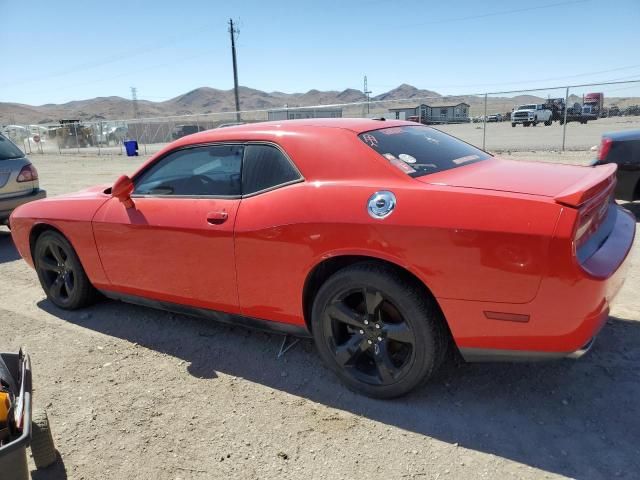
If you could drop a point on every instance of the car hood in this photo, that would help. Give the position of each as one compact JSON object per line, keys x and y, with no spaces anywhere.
{"x":533,"y":178}
{"x":90,"y":192}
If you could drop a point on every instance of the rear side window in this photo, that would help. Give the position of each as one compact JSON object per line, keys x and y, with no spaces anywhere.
{"x":265,"y":167}
{"x":418,"y":150}
{"x":8,"y":150}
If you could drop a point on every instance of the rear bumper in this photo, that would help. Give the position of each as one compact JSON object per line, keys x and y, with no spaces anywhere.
{"x":492,"y":355}
{"x":8,"y":205}
{"x":569,"y":311}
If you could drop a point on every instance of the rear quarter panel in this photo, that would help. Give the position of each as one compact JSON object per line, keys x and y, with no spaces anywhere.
{"x":9,"y":171}
{"x":463,"y":244}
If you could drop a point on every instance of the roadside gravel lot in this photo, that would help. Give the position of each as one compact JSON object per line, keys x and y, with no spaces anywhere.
{"x":138,"y":393}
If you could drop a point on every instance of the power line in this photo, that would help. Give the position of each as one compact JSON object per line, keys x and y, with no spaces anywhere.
{"x":112,"y":59}
{"x":493,"y":14}
{"x":586,"y":74}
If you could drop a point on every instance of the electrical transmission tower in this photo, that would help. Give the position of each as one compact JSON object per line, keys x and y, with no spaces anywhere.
{"x":366,"y":93}
{"x":134,"y":99}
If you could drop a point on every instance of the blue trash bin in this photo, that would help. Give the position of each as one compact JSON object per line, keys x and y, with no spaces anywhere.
{"x":131,"y":146}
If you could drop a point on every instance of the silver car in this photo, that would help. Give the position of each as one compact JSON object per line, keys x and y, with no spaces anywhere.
{"x":18,"y":179}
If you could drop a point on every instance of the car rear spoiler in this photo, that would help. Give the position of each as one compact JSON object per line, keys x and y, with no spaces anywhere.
{"x":600,"y":178}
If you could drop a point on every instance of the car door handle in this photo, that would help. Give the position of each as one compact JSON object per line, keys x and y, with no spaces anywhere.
{"x":216,"y":218}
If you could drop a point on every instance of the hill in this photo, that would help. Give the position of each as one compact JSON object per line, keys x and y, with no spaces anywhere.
{"x":206,"y":100}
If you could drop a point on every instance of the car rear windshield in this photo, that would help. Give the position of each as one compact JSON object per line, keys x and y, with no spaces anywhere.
{"x":418,"y":150}
{"x":8,"y":150}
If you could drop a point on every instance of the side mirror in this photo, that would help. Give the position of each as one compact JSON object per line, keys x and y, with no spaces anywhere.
{"x":122,"y":190}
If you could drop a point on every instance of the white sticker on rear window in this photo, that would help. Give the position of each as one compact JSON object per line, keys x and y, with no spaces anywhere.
{"x":402,"y":166}
{"x":405,"y":157}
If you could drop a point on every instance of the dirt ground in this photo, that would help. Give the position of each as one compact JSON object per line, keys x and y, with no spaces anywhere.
{"x":138,"y":393}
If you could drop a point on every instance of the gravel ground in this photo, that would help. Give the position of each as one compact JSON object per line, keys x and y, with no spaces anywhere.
{"x":138,"y":393}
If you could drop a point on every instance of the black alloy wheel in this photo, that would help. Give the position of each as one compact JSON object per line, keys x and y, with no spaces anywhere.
{"x":60,"y":272}
{"x":378,"y":330}
{"x":369,"y":337}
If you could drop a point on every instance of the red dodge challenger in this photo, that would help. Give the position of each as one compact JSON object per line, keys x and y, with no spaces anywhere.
{"x":386,"y":241}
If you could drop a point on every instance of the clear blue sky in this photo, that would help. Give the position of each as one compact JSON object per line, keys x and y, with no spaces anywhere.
{"x":57,"y":51}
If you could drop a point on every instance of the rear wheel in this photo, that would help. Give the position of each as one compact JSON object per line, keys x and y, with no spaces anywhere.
{"x":513,"y":124}
{"x":60,"y":272}
{"x":381,"y":334}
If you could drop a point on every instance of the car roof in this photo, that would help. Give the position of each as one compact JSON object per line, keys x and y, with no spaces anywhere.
{"x":623,"y":135}
{"x":325,"y":148}
{"x":357,"y":125}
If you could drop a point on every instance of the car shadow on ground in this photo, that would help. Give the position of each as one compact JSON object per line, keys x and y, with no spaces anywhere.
{"x":8,"y":251}
{"x":574,"y":418}
{"x":633,"y":207}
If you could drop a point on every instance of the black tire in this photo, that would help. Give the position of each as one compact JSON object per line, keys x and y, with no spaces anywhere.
{"x":43,"y":449}
{"x":535,"y":122}
{"x":548,"y":122}
{"x":378,"y":331}
{"x":60,"y":272}
{"x":513,"y":124}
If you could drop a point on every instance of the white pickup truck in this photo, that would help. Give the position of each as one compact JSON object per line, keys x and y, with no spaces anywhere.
{"x":531,"y":115}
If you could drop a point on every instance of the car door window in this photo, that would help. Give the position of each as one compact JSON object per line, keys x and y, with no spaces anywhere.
{"x":266,"y":167}
{"x":212,"y":170}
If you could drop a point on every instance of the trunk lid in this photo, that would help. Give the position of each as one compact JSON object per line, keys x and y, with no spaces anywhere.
{"x":567,"y":184}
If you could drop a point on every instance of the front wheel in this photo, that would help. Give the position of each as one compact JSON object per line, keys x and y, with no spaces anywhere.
{"x":380,"y":333}
{"x":513,"y":124}
{"x":60,"y":272}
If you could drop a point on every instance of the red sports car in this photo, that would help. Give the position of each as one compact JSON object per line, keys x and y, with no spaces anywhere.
{"x":386,"y":241}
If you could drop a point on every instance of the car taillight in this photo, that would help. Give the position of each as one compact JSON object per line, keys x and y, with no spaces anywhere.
{"x":27,"y":174}
{"x":604,"y":148}
{"x":590,"y":220}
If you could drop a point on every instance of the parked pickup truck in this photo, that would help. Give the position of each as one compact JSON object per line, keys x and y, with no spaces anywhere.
{"x":531,"y":115}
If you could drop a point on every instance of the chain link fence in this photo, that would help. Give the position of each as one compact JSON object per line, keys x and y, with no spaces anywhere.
{"x":547,"y":119}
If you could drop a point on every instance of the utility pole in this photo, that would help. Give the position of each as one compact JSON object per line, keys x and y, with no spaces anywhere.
{"x":366,"y":93}
{"x":134,"y":99}
{"x":233,"y":32}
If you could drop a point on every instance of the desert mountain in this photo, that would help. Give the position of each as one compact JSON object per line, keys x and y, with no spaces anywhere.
{"x":206,"y":100}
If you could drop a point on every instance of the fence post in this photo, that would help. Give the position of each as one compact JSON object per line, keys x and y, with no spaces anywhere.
{"x":564,"y":124}
{"x":100,"y":136}
{"x":484,"y":128}
{"x":144,"y":135}
{"x":75,"y":129}
{"x":29,"y":139}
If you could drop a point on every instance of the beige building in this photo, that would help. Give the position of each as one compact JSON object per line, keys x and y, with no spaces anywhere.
{"x":424,"y":113}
